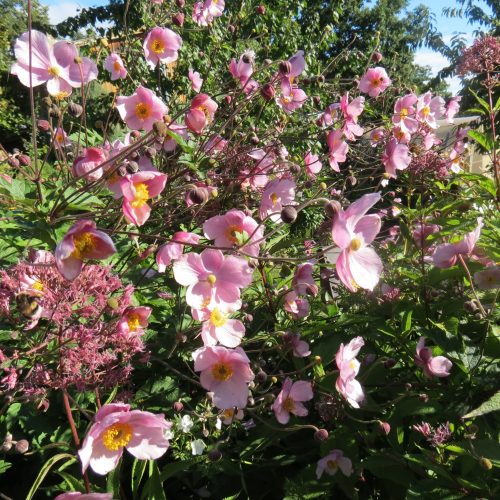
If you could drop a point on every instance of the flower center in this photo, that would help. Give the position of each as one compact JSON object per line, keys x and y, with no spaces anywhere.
{"x":377,"y":81}
{"x":141,"y":195}
{"x":54,"y":71}
{"x":59,"y":138}
{"x":84,"y":244}
{"x":142,"y":110}
{"x":228,"y":413}
{"x":231,"y":231}
{"x":352,"y":364}
{"x":157,"y":46}
{"x":133,"y":322}
{"x":274,"y":198}
{"x":211,"y":278}
{"x":355,"y":244}
{"x":207,"y":114}
{"x":217,"y":318}
{"x":288,"y":404}
{"x":332,"y":465}
{"x":403,"y":113}
{"x":61,"y":95}
{"x":286,"y":99}
{"x":37,"y":285}
{"x":116,"y":436}
{"x":222,"y":372}
{"x":117,"y":66}
{"x":426,"y":111}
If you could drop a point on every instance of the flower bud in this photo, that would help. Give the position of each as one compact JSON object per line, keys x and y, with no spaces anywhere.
{"x":43,"y":125}
{"x":75,"y":109}
{"x":7,"y":443}
{"x":377,"y":56}
{"x":198,"y":196}
{"x":113,"y":303}
{"x":99,"y":124}
{"x":180,"y":3}
{"x":318,"y":360}
{"x":321,"y":435}
{"x":285,"y":67}
{"x":289,"y":214}
{"x":150,"y":152}
{"x":214,"y":455}
{"x":274,"y":380}
{"x":232,"y":28}
{"x":24,"y":160}
{"x":254,"y":139}
{"x":260,"y":9}
{"x":389,"y":363}
{"x":122,"y":171}
{"x":485,"y":463}
{"x":178,"y":406}
{"x":384,"y":427}
{"x":261,"y":376}
{"x":13,"y":161}
{"x":332,"y":208}
{"x":132,"y":167}
{"x":22,"y":446}
{"x":269,"y":398}
{"x":178,"y":19}
{"x":268,"y":92}
{"x":323,"y":185}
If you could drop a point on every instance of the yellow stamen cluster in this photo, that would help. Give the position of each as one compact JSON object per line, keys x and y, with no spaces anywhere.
{"x":54,"y":71}
{"x":355,"y":244}
{"x":38,"y":285}
{"x":222,"y":372}
{"x":288,"y":404}
{"x":142,"y":110}
{"x":231,"y":231}
{"x":133,"y":322}
{"x":217,"y":318}
{"x":116,"y":436}
{"x":211,"y":278}
{"x":141,"y":195}
{"x":157,"y":46}
{"x":332,"y":465}
{"x":84,"y":244}
{"x":274,"y":198}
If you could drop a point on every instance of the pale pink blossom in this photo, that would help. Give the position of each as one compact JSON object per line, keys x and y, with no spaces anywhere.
{"x":489,"y":278}
{"x":334,"y":461}
{"x":421,"y":232}
{"x":303,"y":281}
{"x":300,"y":348}
{"x":51,"y":63}
{"x":140,"y":110}
{"x":277,"y":194}
{"x":348,"y":366}
{"x":218,"y":327}
{"x":61,"y":139}
{"x":396,"y":157}
{"x":452,"y":108}
{"x":257,"y":177}
{"x":76,"y":495}
{"x":173,"y":250}
{"x":204,"y":12}
{"x":433,"y":366}
{"x":337,"y":148}
{"x":161,"y":46}
{"x":296,"y":306}
{"x":291,"y":98}
{"x":87,"y":165}
{"x":82,"y":241}
{"x":401,"y":135}
{"x":243,"y":69}
{"x":226,"y":373}
{"x":351,"y":112}
{"x":430,"y":109}
{"x":114,"y":64}
{"x":313,"y":165}
{"x":134,"y":321}
{"x":117,"y":427}
{"x":215,"y":145}
{"x":290,"y":400}
{"x":201,"y":113}
{"x":294,"y":67}
{"x":213,"y":280}
{"x":235,"y":229}
{"x":374,"y":82}
{"x":404,"y":113}
{"x":137,"y":189}
{"x":357,"y":265}
{"x":429,"y":140}
{"x":377,"y":136}
{"x":196,"y":80}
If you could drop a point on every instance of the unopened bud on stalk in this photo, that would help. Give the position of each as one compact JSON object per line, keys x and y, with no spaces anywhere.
{"x":384,"y":427}
{"x":214,"y":455}
{"x":321,"y":435}
{"x":377,"y":56}
{"x":150,"y":152}
{"x":178,"y":19}
{"x":332,"y":208}
{"x":232,"y":28}
{"x":198,"y":196}
{"x":322,"y":185}
{"x":122,"y":171}
{"x":289,"y":214}
{"x":261,"y":9}
{"x":113,"y":303}
{"x":24,"y":160}
{"x":43,"y":125}
{"x":13,"y":162}
{"x":285,"y":67}
{"x":485,"y":463}
{"x":75,"y":109}
{"x":132,"y":167}
{"x":318,"y":360}
{"x":22,"y":446}
{"x":180,"y":3}
{"x":269,"y":398}
{"x":268,"y":92}
{"x":178,"y":406}
{"x":320,"y":79}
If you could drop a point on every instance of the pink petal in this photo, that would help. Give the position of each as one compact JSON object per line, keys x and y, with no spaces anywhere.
{"x":365,"y":267}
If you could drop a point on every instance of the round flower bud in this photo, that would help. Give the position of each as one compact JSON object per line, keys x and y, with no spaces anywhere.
{"x":113,"y":303}
{"x":122,"y":171}
{"x":274,"y":380}
{"x":180,"y":3}
{"x":384,"y":427}
{"x":268,"y":92}
{"x":320,"y":79}
{"x":254,"y":139}
{"x":232,"y":28}
{"x":43,"y":125}
{"x":377,"y":56}
{"x":178,"y":19}
{"x":198,"y":195}
{"x":485,"y":463}
{"x":22,"y":446}
{"x":13,"y":162}
{"x":214,"y":455}
{"x":285,"y":67}
{"x":75,"y":109}
{"x":260,"y":9}
{"x":178,"y":406}
{"x":150,"y":152}
{"x":132,"y":167}
{"x":332,"y":208}
{"x":24,"y":160}
{"x":389,"y":363}
{"x":261,"y":376}
{"x":289,"y":214}
{"x":321,"y":435}
{"x":318,"y":360}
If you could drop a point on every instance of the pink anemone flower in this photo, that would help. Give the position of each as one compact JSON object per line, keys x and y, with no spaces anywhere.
{"x":290,"y":400}
{"x":243,"y":69}
{"x":351,"y":112}
{"x":277,"y":194}
{"x":134,"y":320}
{"x":404,"y":113}
{"x":201,"y":113}
{"x":196,"y":80}
{"x":140,"y":110}
{"x":226,"y":373}
{"x":303,"y":282}
{"x":235,"y":228}
{"x":294,"y":67}
{"x":291,"y":98}
{"x":430,"y":109}
{"x":53,"y":64}
{"x":219,"y":328}
{"x":114,"y":64}
{"x":117,"y":427}
{"x":313,"y":165}
{"x":61,"y":139}
{"x":161,"y":46}
{"x":334,"y":461}
{"x":173,"y":250}
{"x":396,"y":157}
{"x":137,"y":189}
{"x":357,"y":265}
{"x":296,"y":306}
{"x":76,"y":495}
{"x":87,"y":165}
{"x":348,"y":366}
{"x":433,"y":366}
{"x":300,"y":348}
{"x":489,"y":278}
{"x":213,"y":280}
{"x":374,"y":82}
{"x":337,"y":149}
{"x":82,"y":241}
{"x":452,"y":108}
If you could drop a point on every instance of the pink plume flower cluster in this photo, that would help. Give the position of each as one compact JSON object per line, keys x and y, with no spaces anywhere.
{"x":433,"y":366}
{"x":116,"y":427}
{"x":52,"y":63}
{"x":348,"y":367}
{"x":290,"y":400}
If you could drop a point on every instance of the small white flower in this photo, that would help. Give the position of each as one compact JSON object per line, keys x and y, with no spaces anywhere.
{"x":186,"y":423}
{"x":218,"y":424}
{"x":197,"y":447}
{"x":169,"y":434}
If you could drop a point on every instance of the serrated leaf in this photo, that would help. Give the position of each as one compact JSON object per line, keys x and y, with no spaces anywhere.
{"x":489,"y":406}
{"x":482,"y":139}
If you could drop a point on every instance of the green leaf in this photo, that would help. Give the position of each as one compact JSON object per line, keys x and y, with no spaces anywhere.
{"x":4,"y":466}
{"x":180,"y":141}
{"x":482,"y":139}
{"x":113,"y":481}
{"x":481,"y":101}
{"x":45,"y":470}
{"x":153,"y":489}
{"x":491,"y":405}
{"x":138,"y":469}
{"x":73,"y":483}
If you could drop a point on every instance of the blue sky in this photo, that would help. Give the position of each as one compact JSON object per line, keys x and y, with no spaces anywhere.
{"x":60,"y":9}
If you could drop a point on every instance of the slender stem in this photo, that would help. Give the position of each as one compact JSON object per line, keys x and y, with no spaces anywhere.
{"x":471,"y":281}
{"x":494,"y":137}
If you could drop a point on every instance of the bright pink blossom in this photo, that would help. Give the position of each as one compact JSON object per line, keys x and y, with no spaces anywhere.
{"x":351,"y":112}
{"x":213,"y":280}
{"x":313,"y":165}
{"x":201,"y":113}
{"x":404,"y":113}
{"x":82,"y":241}
{"x":161,"y":46}
{"x":337,"y":149}
{"x":140,"y":110}
{"x":396,"y":157}
{"x":173,"y":250}
{"x":137,"y":189}
{"x":117,"y":427}
{"x":134,"y":320}
{"x":348,"y":366}
{"x":357,"y":265}
{"x":290,"y":400}
{"x":433,"y":366}
{"x":51,"y":63}
{"x":87,"y":165}
{"x":226,"y":373}
{"x":303,"y":282}
{"x":277,"y":194}
{"x":334,"y":461}
{"x":235,"y":229}
{"x":114,"y":64}
{"x":243,"y":69}
{"x":374,"y":82}
{"x":196,"y":80}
